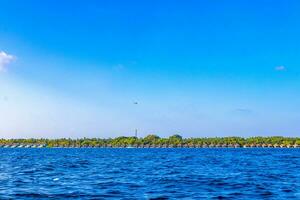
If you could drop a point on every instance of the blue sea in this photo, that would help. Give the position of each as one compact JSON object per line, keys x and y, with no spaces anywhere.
{"x":96,"y":173}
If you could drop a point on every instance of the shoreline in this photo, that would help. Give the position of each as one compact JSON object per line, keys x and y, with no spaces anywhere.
{"x":132,"y":147}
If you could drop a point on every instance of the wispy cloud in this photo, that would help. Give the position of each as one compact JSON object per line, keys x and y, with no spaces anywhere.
{"x":5,"y":59}
{"x":243,"y":112}
{"x":119,"y":67}
{"x":280,"y":68}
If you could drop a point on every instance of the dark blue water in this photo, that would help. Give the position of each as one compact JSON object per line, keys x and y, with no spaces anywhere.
{"x":149,"y":173}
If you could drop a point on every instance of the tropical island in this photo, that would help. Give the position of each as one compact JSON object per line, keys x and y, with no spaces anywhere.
{"x":154,"y":141}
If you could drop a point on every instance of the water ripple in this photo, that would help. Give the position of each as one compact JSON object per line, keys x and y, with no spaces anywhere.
{"x":149,"y":173}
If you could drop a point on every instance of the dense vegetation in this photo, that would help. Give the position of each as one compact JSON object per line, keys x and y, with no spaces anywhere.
{"x":156,"y":141}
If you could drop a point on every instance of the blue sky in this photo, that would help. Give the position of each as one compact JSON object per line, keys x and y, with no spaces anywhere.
{"x":197,"y":68}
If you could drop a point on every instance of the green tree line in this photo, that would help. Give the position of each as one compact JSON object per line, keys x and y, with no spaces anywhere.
{"x":156,"y":141}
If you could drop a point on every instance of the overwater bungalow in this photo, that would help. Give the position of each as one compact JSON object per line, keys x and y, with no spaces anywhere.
{"x":270,"y":146}
{"x":204,"y":145}
{"x":224,"y":145}
{"x":237,"y":146}
{"x":275,"y":145}
{"x":296,"y":146}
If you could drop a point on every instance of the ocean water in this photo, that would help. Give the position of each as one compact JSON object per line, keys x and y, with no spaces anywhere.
{"x":150,"y":173}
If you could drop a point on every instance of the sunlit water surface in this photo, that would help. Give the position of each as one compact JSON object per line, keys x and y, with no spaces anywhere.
{"x":149,"y":173}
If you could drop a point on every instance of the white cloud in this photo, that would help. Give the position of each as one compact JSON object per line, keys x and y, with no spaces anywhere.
{"x":5,"y":59}
{"x":280,"y":68}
